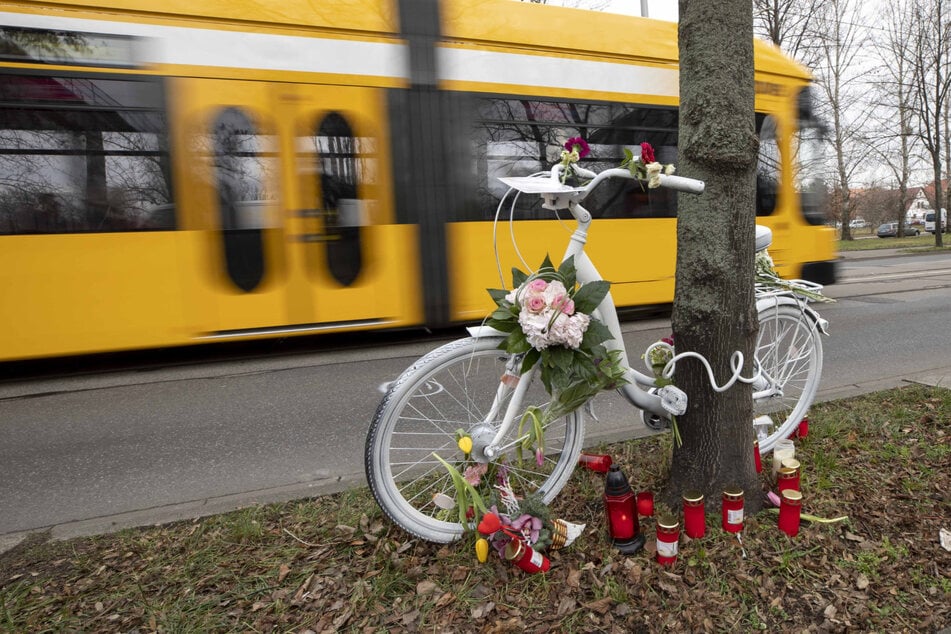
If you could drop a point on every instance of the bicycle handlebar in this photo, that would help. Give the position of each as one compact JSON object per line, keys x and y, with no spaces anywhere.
{"x":679,"y":183}
{"x":557,"y":195}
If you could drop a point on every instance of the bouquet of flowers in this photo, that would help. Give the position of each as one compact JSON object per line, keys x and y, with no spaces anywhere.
{"x":767,"y":278}
{"x":576,"y":149}
{"x":645,"y":167}
{"x":548,"y":319}
{"x":508,"y":517}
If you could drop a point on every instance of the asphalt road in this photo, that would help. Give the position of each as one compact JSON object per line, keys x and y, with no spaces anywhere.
{"x":91,"y":453}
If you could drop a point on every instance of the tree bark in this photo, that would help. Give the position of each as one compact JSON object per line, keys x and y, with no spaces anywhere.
{"x":714,"y":312}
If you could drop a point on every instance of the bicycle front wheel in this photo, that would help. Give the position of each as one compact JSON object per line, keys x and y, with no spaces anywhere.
{"x":789,"y":354}
{"x":453,"y":388}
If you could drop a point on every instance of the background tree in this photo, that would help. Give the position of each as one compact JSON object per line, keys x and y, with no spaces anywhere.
{"x":789,"y":25}
{"x":714,"y":312}
{"x":894,"y":146}
{"x":844,"y":104}
{"x":928,"y":52}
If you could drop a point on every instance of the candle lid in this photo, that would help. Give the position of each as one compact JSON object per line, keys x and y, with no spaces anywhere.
{"x":693,"y":496}
{"x":790,"y":463}
{"x":791,"y":495}
{"x":667,"y":521}
{"x":514,"y":549}
{"x":733,"y":492}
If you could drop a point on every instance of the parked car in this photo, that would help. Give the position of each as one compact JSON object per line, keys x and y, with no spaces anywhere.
{"x":890,"y":230}
{"x":858,"y":223}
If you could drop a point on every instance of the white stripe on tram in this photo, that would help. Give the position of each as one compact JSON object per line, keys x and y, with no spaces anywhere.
{"x":555,"y":72}
{"x":236,"y":49}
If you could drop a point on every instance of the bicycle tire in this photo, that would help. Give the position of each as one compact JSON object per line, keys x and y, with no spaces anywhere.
{"x":787,"y":346}
{"x":448,"y":389}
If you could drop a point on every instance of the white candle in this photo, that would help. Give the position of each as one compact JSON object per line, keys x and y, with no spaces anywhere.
{"x":783,"y":450}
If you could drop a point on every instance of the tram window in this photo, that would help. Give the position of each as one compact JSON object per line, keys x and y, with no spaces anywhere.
{"x":242,"y":171}
{"x":83,"y":153}
{"x":342,"y":168}
{"x":768,"y":167}
{"x":522,"y":136}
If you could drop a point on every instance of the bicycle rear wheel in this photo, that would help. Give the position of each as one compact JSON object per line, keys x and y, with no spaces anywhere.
{"x":453,"y":388}
{"x":789,"y":353}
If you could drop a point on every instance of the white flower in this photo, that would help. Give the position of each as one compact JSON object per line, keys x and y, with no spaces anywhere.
{"x":653,"y":175}
{"x":669,"y":169}
{"x":569,"y":331}
{"x":535,"y":326}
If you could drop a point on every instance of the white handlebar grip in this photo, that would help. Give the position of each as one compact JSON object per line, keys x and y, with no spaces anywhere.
{"x":689,"y":185}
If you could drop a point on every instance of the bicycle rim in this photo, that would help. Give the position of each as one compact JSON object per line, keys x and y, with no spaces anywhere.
{"x":452,"y":388}
{"x":788,"y":350}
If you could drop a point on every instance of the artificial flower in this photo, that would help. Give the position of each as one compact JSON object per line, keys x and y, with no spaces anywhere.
{"x":645,"y":167}
{"x":647,"y":153}
{"x":579,"y":145}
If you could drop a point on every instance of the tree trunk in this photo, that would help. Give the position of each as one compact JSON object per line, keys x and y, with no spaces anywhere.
{"x":714,"y":312}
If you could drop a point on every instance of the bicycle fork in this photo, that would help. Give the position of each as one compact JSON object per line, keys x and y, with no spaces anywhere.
{"x":486,"y":439}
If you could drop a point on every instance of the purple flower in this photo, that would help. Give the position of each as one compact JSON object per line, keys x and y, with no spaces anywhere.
{"x":579,"y":144}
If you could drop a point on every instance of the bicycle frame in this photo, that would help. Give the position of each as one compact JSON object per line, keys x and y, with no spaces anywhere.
{"x":557,"y":197}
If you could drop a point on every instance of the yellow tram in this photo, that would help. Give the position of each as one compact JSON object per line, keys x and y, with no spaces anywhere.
{"x":178,"y":172}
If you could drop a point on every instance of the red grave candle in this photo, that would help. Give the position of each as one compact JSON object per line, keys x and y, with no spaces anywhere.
{"x":732,"y":510}
{"x":668,"y":539}
{"x":526,"y":557}
{"x":621,"y":512}
{"x":788,"y":475}
{"x":596,"y":462}
{"x":695,"y":524}
{"x":645,"y":503}
{"x":789,"y":509}
{"x":757,"y":457}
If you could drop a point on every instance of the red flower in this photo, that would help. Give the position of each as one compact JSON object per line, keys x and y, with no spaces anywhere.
{"x":647,"y":153}
{"x":577,"y":143}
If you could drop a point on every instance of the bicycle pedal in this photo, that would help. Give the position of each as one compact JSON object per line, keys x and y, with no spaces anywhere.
{"x":673,"y":399}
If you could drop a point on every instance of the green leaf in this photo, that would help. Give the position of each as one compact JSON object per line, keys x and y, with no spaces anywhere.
{"x":497,"y":294}
{"x":568,"y":273}
{"x":628,"y":158}
{"x":590,"y":295}
{"x":596,"y":333}
{"x":517,"y":343}
{"x":518,"y":278}
{"x":502,"y":314}
{"x":530,"y":359}
{"x":502,"y":325}
{"x":547,"y":266}
{"x":560,"y":357}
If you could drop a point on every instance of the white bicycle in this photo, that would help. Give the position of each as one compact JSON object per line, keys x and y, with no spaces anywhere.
{"x":463,"y":386}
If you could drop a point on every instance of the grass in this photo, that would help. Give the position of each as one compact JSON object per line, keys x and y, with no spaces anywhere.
{"x":924,"y":242}
{"x":335,"y":564}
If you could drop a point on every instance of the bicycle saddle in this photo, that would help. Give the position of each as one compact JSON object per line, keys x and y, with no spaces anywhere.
{"x":764,"y":237}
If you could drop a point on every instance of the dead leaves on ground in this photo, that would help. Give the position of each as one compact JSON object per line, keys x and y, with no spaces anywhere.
{"x":319,"y":567}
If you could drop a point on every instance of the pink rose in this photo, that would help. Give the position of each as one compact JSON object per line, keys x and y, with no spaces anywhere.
{"x":535,"y":303}
{"x":537,"y":285}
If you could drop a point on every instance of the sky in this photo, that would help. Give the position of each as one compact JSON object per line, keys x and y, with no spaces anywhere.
{"x":658,"y":9}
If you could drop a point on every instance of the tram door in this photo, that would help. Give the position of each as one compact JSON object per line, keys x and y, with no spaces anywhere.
{"x":287,"y":194}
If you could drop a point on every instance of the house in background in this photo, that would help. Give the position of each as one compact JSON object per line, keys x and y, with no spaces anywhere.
{"x":918,"y":207}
